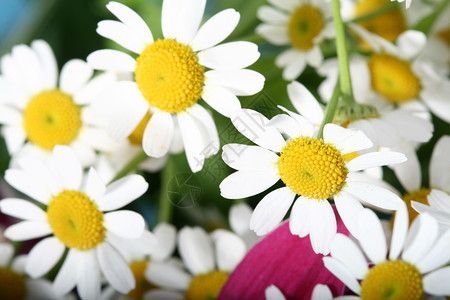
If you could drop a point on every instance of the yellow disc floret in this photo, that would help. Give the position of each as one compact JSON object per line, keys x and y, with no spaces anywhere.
{"x":51,"y":118}
{"x":445,"y":36}
{"x":12,"y":285}
{"x":169,"y":76}
{"x":206,"y":286}
{"x":76,"y":220}
{"x":312,"y":168}
{"x":393,"y":78}
{"x":305,"y":24}
{"x":418,"y":196}
{"x":389,"y":25}
{"x":392,"y":280}
{"x":136,"y":136}
{"x":142,"y":285}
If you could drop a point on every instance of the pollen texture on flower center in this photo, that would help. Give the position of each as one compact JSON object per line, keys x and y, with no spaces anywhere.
{"x":392,"y":280}
{"x":12,"y":285}
{"x":206,"y":286}
{"x":76,"y":220}
{"x":169,"y":76}
{"x":393,"y":78}
{"x":312,"y":168}
{"x":51,"y":118}
{"x":305,"y":24}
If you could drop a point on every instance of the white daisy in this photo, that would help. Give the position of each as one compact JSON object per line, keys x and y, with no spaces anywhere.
{"x":302,"y":25}
{"x":313,"y":169}
{"x":38,"y":114}
{"x":80,"y":215}
{"x":398,"y":75}
{"x":14,"y":284}
{"x":173,"y":73}
{"x":209,"y":260}
{"x":412,"y":268}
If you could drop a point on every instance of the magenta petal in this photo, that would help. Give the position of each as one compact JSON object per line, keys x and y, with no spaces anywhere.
{"x":286,"y":261}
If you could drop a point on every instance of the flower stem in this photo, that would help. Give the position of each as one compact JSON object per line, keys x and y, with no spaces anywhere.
{"x":426,"y":23}
{"x":330,"y":110}
{"x":165,"y":205}
{"x":140,"y":157}
{"x":341,"y":47}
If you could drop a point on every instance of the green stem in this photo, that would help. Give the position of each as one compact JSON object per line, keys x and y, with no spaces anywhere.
{"x":140,"y":157}
{"x":330,"y":110}
{"x":165,"y":205}
{"x":341,"y":47}
{"x":427,"y":22}
{"x":375,"y":13}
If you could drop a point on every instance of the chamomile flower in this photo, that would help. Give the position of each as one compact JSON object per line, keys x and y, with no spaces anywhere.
{"x":413,"y":267}
{"x":15,"y":284}
{"x":38,"y":114}
{"x":302,"y":26}
{"x":399,"y":76}
{"x":80,"y":216}
{"x":313,"y":169}
{"x":172,"y":74}
{"x":201,"y":253}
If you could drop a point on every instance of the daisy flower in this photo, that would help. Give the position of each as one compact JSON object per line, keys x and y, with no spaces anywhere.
{"x":399,"y":76}
{"x":313,"y":169}
{"x":413,"y":267}
{"x":302,"y":26}
{"x":208,"y":258}
{"x":38,"y":114}
{"x":80,"y":216}
{"x":172,"y":74}
{"x":15,"y":284}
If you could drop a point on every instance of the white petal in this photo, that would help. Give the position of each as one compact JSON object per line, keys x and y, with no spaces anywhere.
{"x":286,"y":124}
{"x":29,"y":67}
{"x":115,"y":269}
{"x":273,"y":293}
{"x":68,"y":166}
{"x":306,"y":127}
{"x":66,"y":279}
{"x":242,"y":184}
{"x":435,"y":99}
{"x":166,"y":237}
{"x":229,"y":56}
{"x":240,"y":82}
{"x":132,"y":20}
{"x":41,"y":289}
{"x":6,"y":253}
{"x":28,"y":184}
{"x":287,"y":5}
{"x":323,"y":227}
{"x":373,"y":194}
{"x":375,"y":159}
{"x":321,"y":292}
{"x":112,"y":60}
{"x":433,"y":282}
{"x":439,"y":200}
{"x":421,"y":237}
{"x":122,"y":35}
{"x":249,"y":158}
{"x":230,"y":249}
{"x":440,"y":216}
{"x":196,"y":250}
{"x":304,"y":102}
{"x":95,"y":187}
{"x":341,"y":272}
{"x":295,"y":67}
{"x":300,"y":218}
{"x":271,"y":210}
{"x":215,"y":30}
{"x":253,"y":125}
{"x":348,"y":253}
{"x":27,"y":230}
{"x":189,"y":16}
{"x":437,"y":256}
{"x":221,"y":100}
{"x":275,"y":34}
{"x":124,"y":223}
{"x":347,"y":140}
{"x":409,"y":172}
{"x":314,"y":56}
{"x":270,"y":15}
{"x":22,"y":209}
{"x":88,"y":276}
{"x":162,"y":295}
{"x":14,"y":137}
{"x":44,"y":256}
{"x":348,"y":208}
{"x":239,"y":218}
{"x":399,"y":231}
{"x":91,"y":91}
{"x":169,"y":13}
{"x":167,"y":276}
{"x":411,"y":43}
{"x":209,"y":130}
{"x":439,"y":164}
{"x":10,"y":116}
{"x":48,"y":63}
{"x":158,"y":134}
{"x":74,"y":75}
{"x":371,"y":236}
{"x":193,"y":141}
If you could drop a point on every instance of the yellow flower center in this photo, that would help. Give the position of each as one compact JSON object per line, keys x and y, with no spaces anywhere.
{"x":304,"y":25}
{"x":51,"y":118}
{"x":136,"y":136}
{"x":142,"y":285}
{"x":76,"y":220}
{"x":419,"y":196}
{"x":206,"y":286}
{"x":12,"y":285}
{"x":393,"y":78}
{"x":392,"y":280}
{"x":169,"y":76}
{"x":388,"y":25}
{"x":312,"y":168}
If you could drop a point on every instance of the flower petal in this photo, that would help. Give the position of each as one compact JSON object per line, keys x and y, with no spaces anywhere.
{"x":66,"y":279}
{"x":341,"y":272}
{"x":249,"y":158}
{"x":74,"y":75}
{"x":196,"y":250}
{"x":27,"y":230}
{"x":304,"y":102}
{"x":230,"y":249}
{"x":241,"y":82}
{"x":375,"y":159}
{"x":373,"y":194}
{"x":158,"y":134}
{"x":347,"y":140}
{"x":437,"y":256}
{"x":275,"y":34}
{"x":411,"y":43}
{"x":6,"y":253}
{"x":94,"y":187}
{"x":48,"y":63}
{"x":68,"y":166}
{"x":111,"y":60}
{"x":348,"y":208}
{"x":321,"y":292}
{"x":323,"y":226}
{"x":194,"y":143}
{"x":221,"y":100}
{"x":166,"y":236}
{"x":28,"y":184}
{"x":348,"y":253}
{"x":122,"y":35}
{"x":44,"y":256}
{"x":229,"y":56}
{"x":300,"y":218}
{"x":242,"y":184}
{"x":273,"y":293}
{"x":167,"y":276}
{"x":399,"y":231}
{"x":270,"y":15}
{"x":439,"y":164}
{"x":189,"y":16}
{"x":433,"y":282}
{"x":22,"y":209}
{"x":371,"y":236}
{"x":124,"y":223}
{"x":162,"y":295}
